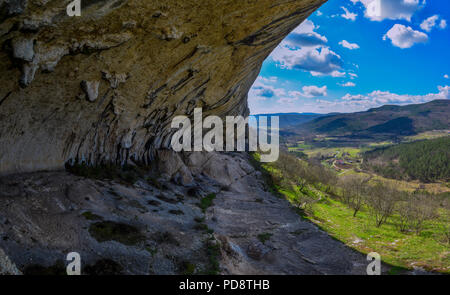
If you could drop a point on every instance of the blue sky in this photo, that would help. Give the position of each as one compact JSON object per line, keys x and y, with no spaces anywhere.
{"x":352,"y":55}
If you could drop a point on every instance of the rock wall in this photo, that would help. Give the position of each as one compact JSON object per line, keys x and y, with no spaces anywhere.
{"x":105,"y":86}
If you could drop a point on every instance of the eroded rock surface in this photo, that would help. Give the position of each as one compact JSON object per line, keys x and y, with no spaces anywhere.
{"x":157,"y":226}
{"x":142,"y":63}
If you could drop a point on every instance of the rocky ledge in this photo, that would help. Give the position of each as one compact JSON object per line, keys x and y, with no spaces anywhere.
{"x":224,"y":221}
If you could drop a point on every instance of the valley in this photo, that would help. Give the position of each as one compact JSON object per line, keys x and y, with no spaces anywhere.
{"x":387,"y":192}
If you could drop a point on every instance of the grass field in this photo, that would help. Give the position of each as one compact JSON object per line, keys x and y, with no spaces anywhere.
{"x":403,"y":185}
{"x":338,"y":151}
{"x":300,"y":146}
{"x":428,"y":135}
{"x":428,"y":250}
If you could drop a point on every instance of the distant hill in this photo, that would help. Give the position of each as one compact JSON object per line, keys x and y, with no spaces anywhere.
{"x":292,"y":119}
{"x":388,"y":120}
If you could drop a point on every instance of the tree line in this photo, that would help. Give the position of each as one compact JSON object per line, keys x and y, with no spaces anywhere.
{"x":382,"y":200}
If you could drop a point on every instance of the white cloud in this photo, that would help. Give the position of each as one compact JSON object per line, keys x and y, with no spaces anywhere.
{"x":317,"y":60}
{"x":334,"y":74}
{"x":353,"y":75}
{"x":429,"y":23}
{"x":348,"y":103}
{"x":348,"y":84}
{"x":348,"y":15}
{"x":337,"y":74}
{"x":378,"y":97}
{"x":446,"y":76}
{"x":353,"y":97}
{"x":272,"y":79}
{"x":287,"y":100}
{"x":348,"y":45}
{"x":359,"y":102}
{"x":378,"y":10}
{"x":262,"y":90}
{"x":314,"y":91}
{"x":319,"y":13}
{"x":405,"y":37}
{"x":295,"y":94}
{"x":305,"y":36}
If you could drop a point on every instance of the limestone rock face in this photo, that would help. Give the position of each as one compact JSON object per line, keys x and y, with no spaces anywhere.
{"x":143,"y":62}
{"x":46,"y":215}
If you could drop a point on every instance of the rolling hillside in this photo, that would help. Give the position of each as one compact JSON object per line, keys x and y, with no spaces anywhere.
{"x":385,"y":121}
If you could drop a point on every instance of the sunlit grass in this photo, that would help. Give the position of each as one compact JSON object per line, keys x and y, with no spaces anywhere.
{"x":429,"y":249}
{"x":428,"y":135}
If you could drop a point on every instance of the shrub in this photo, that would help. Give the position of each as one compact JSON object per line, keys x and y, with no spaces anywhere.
{"x":207,"y":202}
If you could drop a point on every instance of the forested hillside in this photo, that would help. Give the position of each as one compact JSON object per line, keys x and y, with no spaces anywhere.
{"x":427,"y":160}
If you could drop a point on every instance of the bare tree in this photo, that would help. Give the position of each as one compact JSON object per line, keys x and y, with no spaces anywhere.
{"x":404,"y":211}
{"x":382,"y":199}
{"x":292,"y":170}
{"x":354,"y":191}
{"x":423,"y":208}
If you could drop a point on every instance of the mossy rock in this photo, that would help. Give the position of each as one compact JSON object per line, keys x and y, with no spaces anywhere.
{"x":114,"y":231}
{"x":91,"y":216}
{"x":187,"y":268}
{"x":264,"y":237}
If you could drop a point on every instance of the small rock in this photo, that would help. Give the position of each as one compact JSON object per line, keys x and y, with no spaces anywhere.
{"x":170,"y":33}
{"x":23,"y":48}
{"x":28,"y":72}
{"x":91,"y":89}
{"x":114,"y":79}
{"x":159,"y":14}
{"x":257,"y":250}
{"x":129,"y":24}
